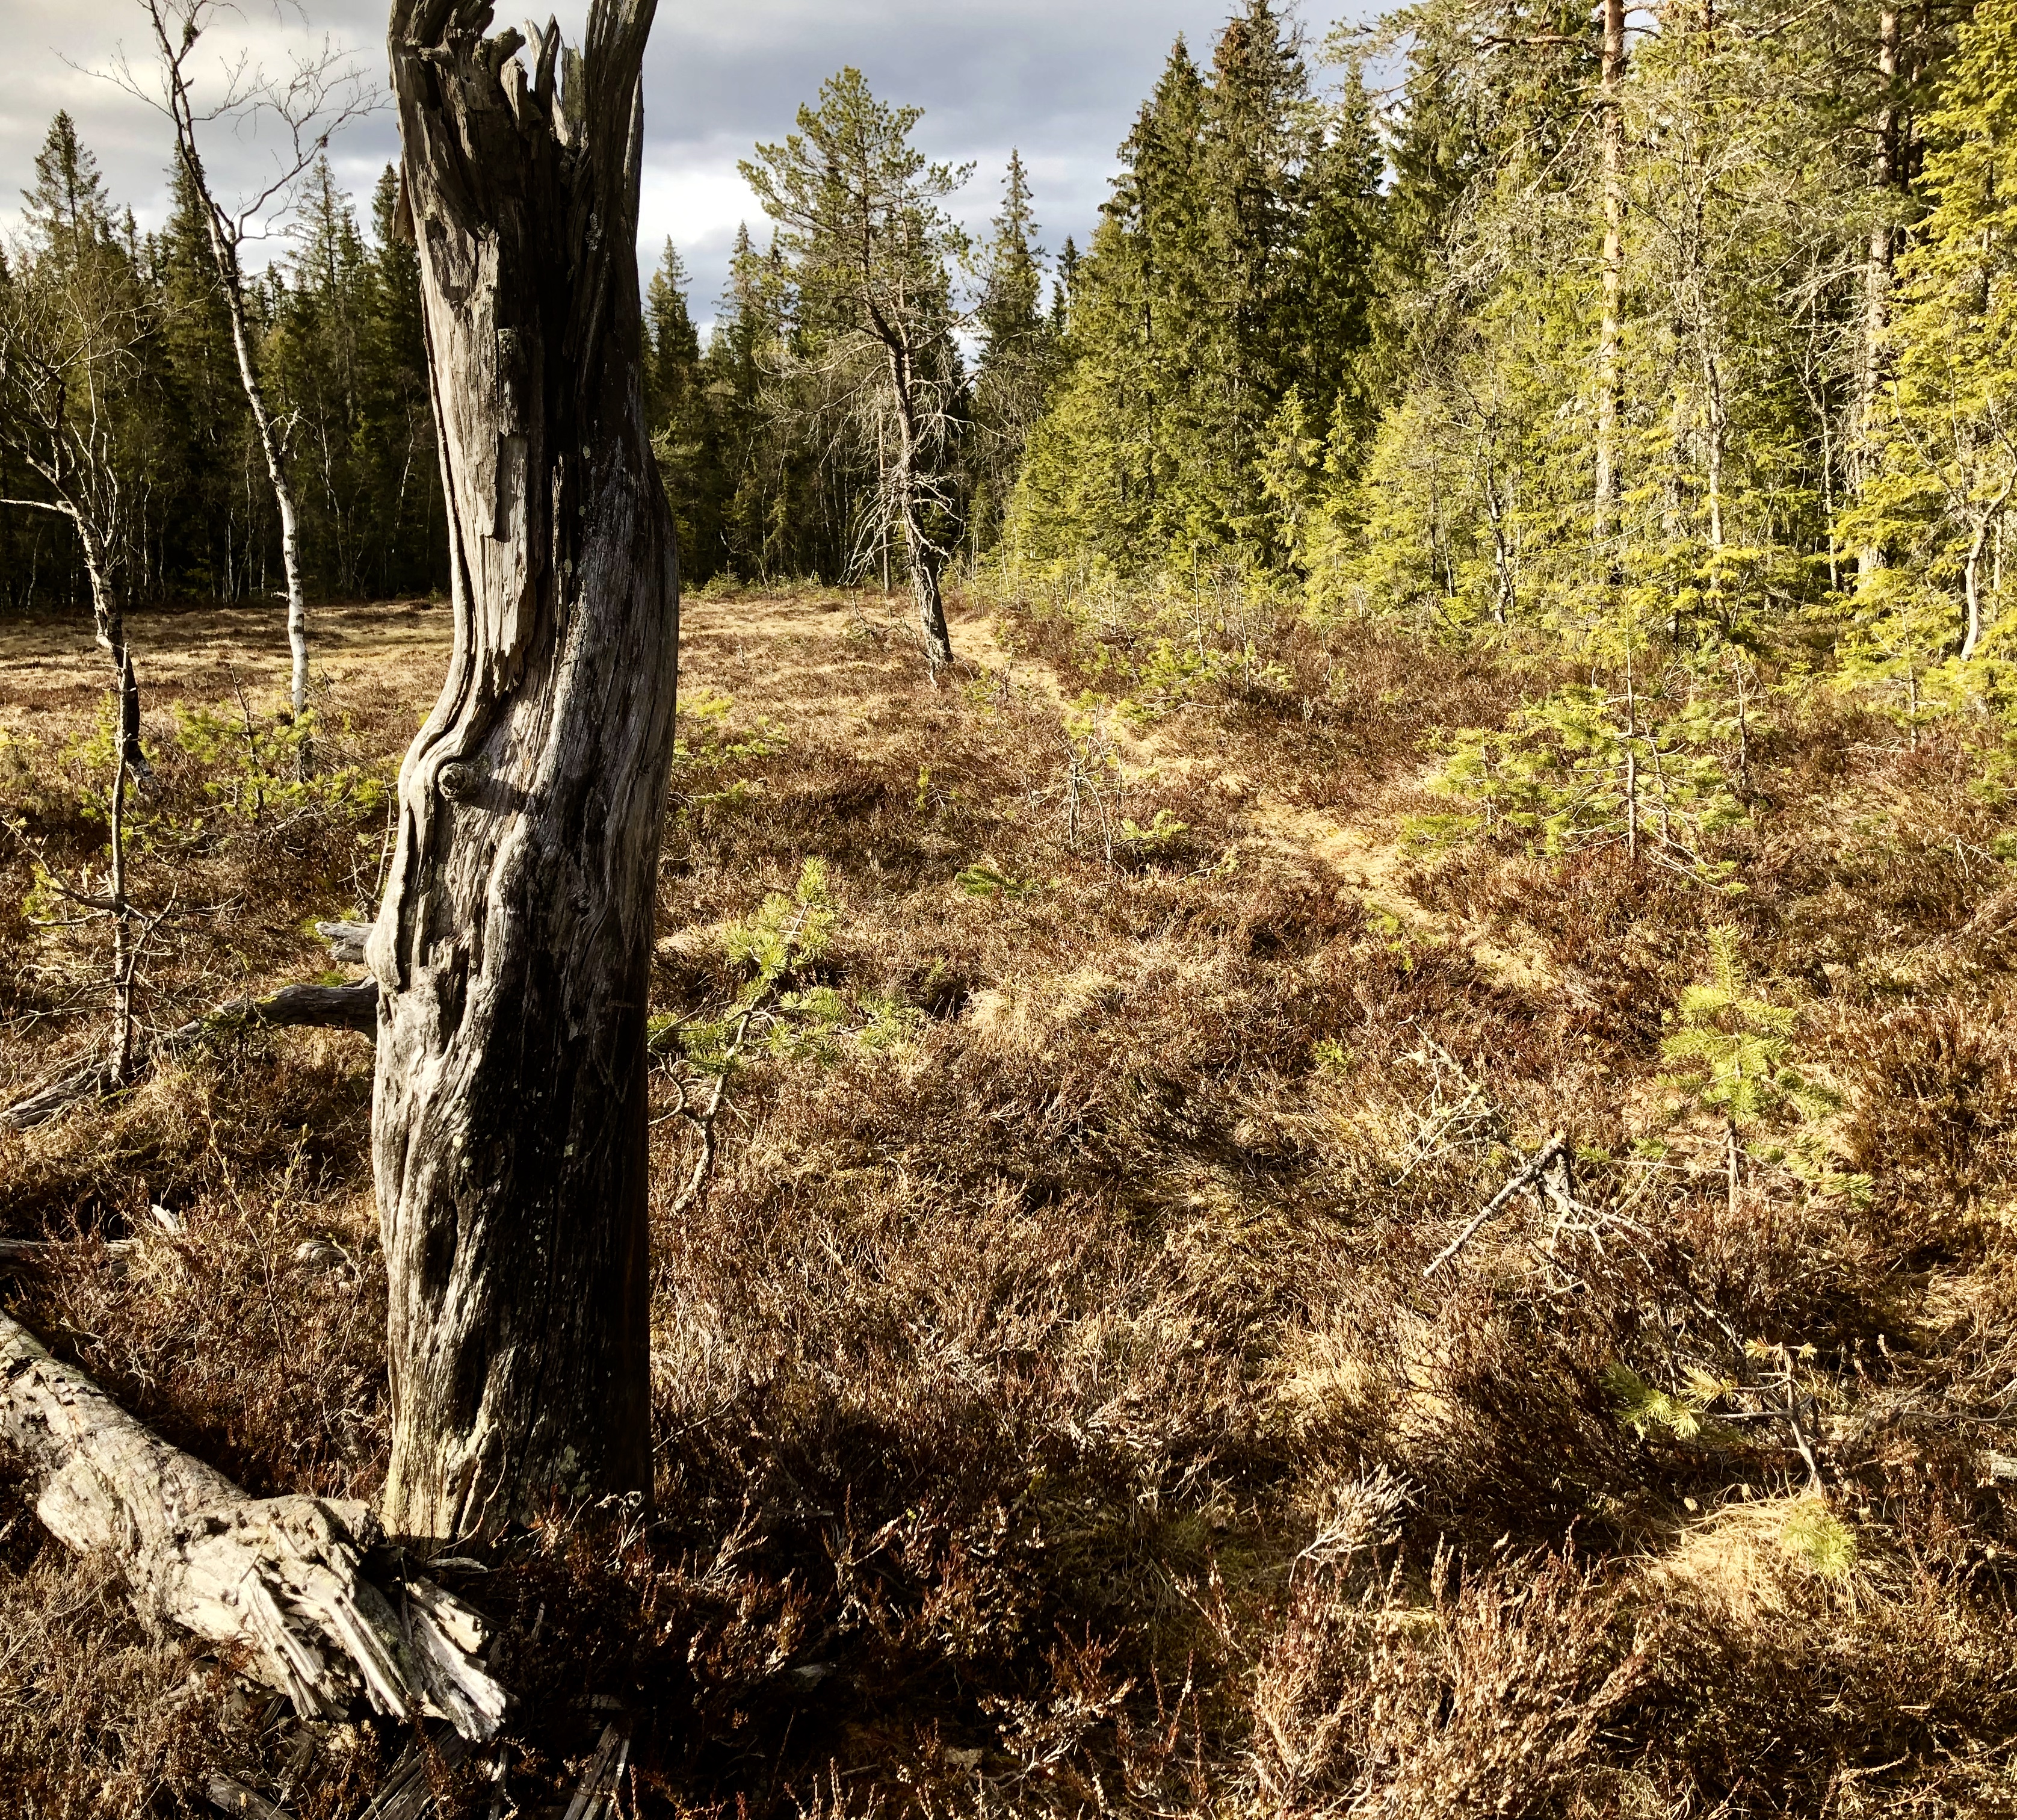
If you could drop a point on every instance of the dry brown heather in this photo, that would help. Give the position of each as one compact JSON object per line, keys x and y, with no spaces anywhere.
{"x":1052,"y":1413}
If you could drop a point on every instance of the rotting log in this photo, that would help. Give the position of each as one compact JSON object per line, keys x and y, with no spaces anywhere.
{"x":230,"y":1797}
{"x":408,"y":1792}
{"x":597,"y":1797}
{"x":513,"y":946}
{"x":292,"y":1582}
{"x":354,"y":1008}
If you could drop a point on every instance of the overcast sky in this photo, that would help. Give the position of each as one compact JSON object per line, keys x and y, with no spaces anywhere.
{"x":1061,"y":79}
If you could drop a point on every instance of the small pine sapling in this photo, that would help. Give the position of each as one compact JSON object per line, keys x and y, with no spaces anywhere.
{"x":1732,"y":1048}
{"x":1587,"y":769}
{"x":986,"y":879}
{"x":775,"y":1014}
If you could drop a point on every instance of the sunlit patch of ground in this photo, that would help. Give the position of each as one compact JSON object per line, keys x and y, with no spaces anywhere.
{"x":1053,"y":1413}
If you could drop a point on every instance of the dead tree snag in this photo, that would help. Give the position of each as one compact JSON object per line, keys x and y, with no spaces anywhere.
{"x":513,"y":946}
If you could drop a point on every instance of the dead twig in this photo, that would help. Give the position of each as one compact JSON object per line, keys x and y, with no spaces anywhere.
{"x":1525,"y":1177}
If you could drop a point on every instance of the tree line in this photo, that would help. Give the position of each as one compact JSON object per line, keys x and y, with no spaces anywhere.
{"x":1699,"y":330}
{"x":139,"y":326}
{"x":1490,"y":316}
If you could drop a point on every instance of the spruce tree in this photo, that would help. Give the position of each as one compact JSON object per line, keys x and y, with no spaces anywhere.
{"x":1095,"y":487}
{"x":1945,"y":464}
{"x":1257,"y":141}
{"x":66,"y":212}
{"x":1017,"y":343}
{"x":1335,"y":331}
{"x":1190,"y":322}
{"x":224,"y":524}
{"x":748,"y":330}
{"x":315,"y":357}
{"x":676,"y":412}
{"x":411,"y":550}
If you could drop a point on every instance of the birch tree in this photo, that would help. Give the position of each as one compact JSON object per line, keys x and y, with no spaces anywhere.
{"x":72,"y":321}
{"x":316,"y":98}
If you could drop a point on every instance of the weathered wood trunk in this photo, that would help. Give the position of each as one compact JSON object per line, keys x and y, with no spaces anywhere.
{"x":284,"y":1578}
{"x":927,"y":561}
{"x":513,"y":948}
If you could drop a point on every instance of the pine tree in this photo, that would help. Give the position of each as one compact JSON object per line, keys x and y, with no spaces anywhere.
{"x":861,"y":220}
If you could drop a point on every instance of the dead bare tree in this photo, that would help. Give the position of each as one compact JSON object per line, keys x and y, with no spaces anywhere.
{"x":512,"y":948}
{"x":71,"y":323}
{"x":318,"y":97}
{"x":859,"y":211}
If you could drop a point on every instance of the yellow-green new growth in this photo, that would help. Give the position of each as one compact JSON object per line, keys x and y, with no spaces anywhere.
{"x":1733,"y":1050}
{"x":1646,"y":1410}
{"x":786,"y":933}
{"x":1734,"y":1044}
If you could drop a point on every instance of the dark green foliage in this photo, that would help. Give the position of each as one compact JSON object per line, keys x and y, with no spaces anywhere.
{"x":684,"y":430}
{"x":1234,"y":268}
{"x":338,"y":333}
{"x":1018,"y":355}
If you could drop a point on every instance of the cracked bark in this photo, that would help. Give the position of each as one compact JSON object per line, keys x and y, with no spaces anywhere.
{"x":512,"y":949}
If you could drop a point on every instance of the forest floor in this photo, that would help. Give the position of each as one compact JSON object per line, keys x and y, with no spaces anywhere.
{"x":1063,"y":1401}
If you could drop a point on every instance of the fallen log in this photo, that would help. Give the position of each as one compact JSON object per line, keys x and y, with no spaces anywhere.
{"x":598,"y":1796}
{"x":346,"y":940}
{"x":285,"y":1581}
{"x":353,"y":1007}
{"x":408,"y":1792}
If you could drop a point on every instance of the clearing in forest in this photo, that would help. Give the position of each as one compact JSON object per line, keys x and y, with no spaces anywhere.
{"x":1080,"y":1374}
